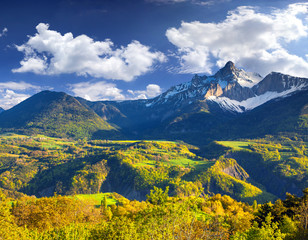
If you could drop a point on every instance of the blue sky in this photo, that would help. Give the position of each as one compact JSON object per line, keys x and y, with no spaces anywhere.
{"x":121,"y":49}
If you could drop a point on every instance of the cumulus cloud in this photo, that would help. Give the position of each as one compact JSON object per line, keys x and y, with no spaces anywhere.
{"x":12,"y":93}
{"x":152,"y":90}
{"x":99,"y":91}
{"x":4,"y":31}
{"x":17,"y":86}
{"x":253,"y":40}
{"x":50,"y":53}
{"x":9,"y":98}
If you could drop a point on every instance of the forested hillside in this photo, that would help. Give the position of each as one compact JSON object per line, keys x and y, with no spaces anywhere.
{"x":54,"y":114}
{"x":252,"y":169}
{"x":159,"y":217}
{"x":160,"y":189}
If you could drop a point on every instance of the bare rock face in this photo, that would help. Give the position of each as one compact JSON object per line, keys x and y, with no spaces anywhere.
{"x":236,"y":92}
{"x":214,"y":90}
{"x":236,"y":171}
{"x":227,"y":72}
{"x":231,"y":79}
{"x":234,"y":82}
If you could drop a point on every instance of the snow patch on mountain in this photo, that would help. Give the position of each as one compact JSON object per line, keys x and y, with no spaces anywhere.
{"x":227,"y":104}
{"x":251,"y":103}
{"x":248,"y":79}
{"x":177,"y":89}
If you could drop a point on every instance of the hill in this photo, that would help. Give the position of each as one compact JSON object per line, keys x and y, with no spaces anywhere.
{"x":54,"y":114}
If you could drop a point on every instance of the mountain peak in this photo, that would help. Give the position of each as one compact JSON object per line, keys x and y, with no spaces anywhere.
{"x":229,"y":65}
{"x":228,"y":72}
{"x":55,"y":114}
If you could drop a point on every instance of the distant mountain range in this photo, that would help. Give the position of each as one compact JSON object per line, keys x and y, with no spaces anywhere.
{"x":215,"y":107}
{"x":266,"y":117}
{"x":232,"y":103}
{"x":233,"y":89}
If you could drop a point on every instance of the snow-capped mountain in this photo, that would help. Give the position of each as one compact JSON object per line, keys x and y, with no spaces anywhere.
{"x":274,"y":85}
{"x":232,"y":89}
{"x":203,"y":109}
{"x":211,"y":106}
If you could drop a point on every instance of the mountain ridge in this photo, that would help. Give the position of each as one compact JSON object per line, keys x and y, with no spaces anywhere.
{"x":231,"y":84}
{"x":204,"y":105}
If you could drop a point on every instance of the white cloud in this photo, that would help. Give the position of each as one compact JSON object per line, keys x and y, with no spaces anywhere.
{"x":99,"y":91}
{"x":152,"y":90}
{"x":253,"y":40}
{"x":17,"y":86}
{"x":9,"y":98}
{"x":12,"y":93}
{"x":49,"y":53}
{"x":4,"y":31}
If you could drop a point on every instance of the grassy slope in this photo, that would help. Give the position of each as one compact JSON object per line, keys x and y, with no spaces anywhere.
{"x":97,"y":198}
{"x":236,"y":145}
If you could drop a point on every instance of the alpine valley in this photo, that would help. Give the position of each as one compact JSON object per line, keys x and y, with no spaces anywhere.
{"x":234,"y":133}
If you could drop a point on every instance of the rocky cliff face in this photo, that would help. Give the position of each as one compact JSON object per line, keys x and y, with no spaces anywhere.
{"x":214,"y":90}
{"x":235,"y":91}
{"x":236,"y":84}
{"x":236,"y":171}
{"x":278,"y":82}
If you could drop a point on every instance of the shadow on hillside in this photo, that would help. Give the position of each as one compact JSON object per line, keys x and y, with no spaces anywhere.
{"x":108,"y":134}
{"x":44,"y":183}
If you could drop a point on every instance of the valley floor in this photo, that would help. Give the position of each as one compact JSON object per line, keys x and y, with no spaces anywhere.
{"x":145,"y":189}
